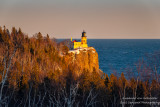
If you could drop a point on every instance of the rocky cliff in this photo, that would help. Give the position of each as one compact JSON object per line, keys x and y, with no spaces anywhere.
{"x":85,"y":59}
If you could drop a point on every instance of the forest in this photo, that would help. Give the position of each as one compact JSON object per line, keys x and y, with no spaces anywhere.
{"x":33,"y":73}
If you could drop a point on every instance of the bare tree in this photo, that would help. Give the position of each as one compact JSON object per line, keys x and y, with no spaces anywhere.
{"x":64,"y":99}
{"x":7,"y":64}
{"x":8,"y":52}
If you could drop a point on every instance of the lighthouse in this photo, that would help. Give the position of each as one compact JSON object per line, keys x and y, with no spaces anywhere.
{"x":82,"y":44}
{"x":84,"y":40}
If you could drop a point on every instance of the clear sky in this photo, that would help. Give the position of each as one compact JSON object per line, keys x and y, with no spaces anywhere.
{"x":110,"y":19}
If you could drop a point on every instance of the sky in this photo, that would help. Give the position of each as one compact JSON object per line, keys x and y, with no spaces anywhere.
{"x":101,"y":19}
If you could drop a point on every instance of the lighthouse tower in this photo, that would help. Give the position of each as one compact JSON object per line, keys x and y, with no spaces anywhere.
{"x":84,"y":40}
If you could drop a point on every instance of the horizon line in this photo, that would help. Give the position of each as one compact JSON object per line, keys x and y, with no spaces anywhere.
{"x":107,"y":38}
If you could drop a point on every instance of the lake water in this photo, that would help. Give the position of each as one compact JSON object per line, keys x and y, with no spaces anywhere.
{"x":115,"y":55}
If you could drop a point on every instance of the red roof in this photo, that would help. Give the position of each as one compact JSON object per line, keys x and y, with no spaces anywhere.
{"x":75,"y":41}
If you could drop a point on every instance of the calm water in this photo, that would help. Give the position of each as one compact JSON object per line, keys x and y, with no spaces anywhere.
{"x":116,"y":55}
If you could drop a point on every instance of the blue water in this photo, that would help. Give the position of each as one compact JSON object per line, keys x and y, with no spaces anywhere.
{"x":115,"y":55}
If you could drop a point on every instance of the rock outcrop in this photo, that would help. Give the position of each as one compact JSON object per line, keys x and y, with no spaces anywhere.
{"x":85,"y":59}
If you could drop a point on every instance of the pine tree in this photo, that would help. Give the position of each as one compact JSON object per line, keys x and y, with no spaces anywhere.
{"x":106,"y":81}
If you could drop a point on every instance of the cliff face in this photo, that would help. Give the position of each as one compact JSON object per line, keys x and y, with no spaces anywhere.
{"x":85,"y":59}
